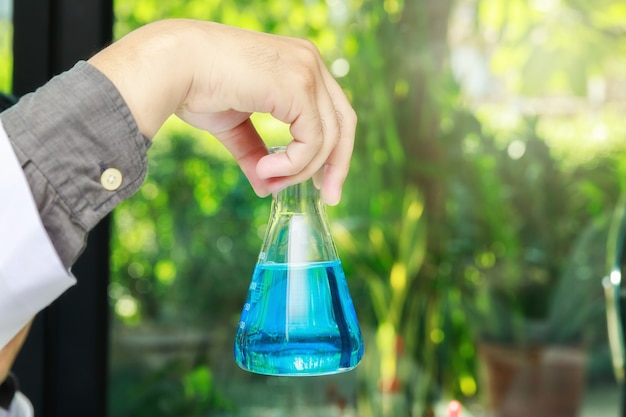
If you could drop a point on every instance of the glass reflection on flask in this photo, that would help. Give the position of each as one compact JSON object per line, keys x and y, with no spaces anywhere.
{"x":298,"y":318}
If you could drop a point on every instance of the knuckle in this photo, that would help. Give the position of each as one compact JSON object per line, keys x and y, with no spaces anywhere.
{"x":308,"y":54}
{"x":305,"y":77}
{"x":308,"y":45}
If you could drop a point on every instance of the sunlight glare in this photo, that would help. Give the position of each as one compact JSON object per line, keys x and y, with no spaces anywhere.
{"x":516,"y":149}
{"x":340,"y":67}
{"x":545,"y":6}
{"x":616,"y":277}
{"x":600,"y":133}
{"x":126,"y":306}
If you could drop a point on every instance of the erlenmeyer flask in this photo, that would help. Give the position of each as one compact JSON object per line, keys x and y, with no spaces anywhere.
{"x":298,"y":318}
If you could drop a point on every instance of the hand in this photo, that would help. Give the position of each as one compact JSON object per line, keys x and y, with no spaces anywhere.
{"x":215,"y":76}
{"x":9,"y":352}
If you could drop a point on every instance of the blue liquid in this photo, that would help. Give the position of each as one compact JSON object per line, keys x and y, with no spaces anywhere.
{"x":298,"y":320}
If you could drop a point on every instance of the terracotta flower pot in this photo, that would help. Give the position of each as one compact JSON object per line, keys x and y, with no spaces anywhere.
{"x":538,"y":381}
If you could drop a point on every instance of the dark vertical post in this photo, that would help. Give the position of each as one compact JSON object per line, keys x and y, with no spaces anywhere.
{"x":31,"y":46}
{"x":63,"y":366}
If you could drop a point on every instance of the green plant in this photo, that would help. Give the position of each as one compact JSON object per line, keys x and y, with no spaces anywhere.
{"x":388,"y":254}
{"x":533,"y":274}
{"x":174,"y":389}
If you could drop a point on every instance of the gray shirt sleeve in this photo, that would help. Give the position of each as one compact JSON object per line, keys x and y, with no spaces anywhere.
{"x":69,"y":136}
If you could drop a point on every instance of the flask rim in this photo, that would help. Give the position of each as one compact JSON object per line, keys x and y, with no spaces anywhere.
{"x":277,"y":149}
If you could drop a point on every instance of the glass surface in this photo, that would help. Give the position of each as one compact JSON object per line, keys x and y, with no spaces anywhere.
{"x":298,"y":318}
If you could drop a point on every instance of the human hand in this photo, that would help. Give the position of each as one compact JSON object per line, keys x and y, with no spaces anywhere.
{"x":215,"y":76}
{"x":9,"y":352}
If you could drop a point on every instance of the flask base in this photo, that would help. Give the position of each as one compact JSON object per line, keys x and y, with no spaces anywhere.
{"x":298,"y":360}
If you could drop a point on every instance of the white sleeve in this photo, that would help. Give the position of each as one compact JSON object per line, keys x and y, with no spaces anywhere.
{"x":31,"y":273}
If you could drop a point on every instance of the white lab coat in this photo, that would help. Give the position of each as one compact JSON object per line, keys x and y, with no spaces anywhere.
{"x":31,"y":273}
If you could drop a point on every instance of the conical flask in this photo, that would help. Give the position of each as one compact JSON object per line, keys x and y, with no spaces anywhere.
{"x":298,"y":318}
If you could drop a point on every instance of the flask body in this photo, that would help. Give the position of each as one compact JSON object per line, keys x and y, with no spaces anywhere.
{"x":298,"y":318}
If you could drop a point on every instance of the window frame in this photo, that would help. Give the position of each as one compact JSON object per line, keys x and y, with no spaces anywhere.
{"x":63,"y":366}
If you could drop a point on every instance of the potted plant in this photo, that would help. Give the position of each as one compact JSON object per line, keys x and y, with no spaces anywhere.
{"x":536,"y":364}
{"x":534,"y":283}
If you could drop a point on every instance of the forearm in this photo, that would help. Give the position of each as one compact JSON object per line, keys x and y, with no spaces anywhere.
{"x":152,"y":69}
{"x":10,"y":351}
{"x":66,"y":135}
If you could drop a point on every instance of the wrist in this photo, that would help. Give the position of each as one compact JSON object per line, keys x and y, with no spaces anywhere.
{"x":150,"y":69}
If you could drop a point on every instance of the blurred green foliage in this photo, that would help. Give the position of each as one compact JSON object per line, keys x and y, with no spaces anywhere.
{"x":184,"y":239}
{"x":489,"y":181}
{"x":6,"y":55}
{"x":173,"y":389}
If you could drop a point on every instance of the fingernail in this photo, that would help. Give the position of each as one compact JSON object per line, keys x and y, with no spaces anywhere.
{"x":330,"y":199}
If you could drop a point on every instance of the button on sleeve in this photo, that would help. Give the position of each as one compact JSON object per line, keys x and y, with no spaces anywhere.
{"x":111,"y":179}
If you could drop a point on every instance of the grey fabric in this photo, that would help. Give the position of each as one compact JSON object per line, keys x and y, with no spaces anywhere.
{"x":65,"y":135}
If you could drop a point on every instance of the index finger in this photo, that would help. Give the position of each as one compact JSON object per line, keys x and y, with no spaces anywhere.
{"x":247,"y":147}
{"x":323,"y":126}
{"x":334,"y":120}
{"x":338,"y":162}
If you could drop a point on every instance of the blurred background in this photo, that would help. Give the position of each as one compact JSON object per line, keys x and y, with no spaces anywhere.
{"x":491,"y":141}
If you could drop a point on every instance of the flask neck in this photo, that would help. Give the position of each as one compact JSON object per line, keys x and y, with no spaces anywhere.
{"x":298,"y":231}
{"x":298,"y":199}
